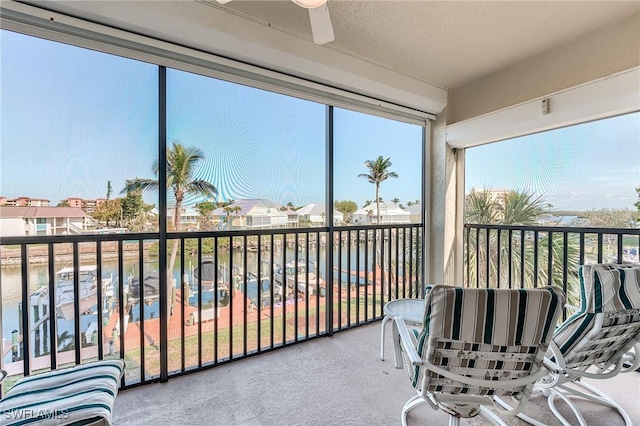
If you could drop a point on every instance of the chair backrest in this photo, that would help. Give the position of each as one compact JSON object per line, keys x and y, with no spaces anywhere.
{"x":489,"y":334}
{"x":608,"y":322}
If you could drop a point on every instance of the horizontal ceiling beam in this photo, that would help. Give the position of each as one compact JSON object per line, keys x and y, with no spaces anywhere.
{"x":614,"y":95}
{"x":214,"y":30}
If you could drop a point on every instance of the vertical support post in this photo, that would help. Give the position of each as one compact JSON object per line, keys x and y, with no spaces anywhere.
{"x":77,"y":336}
{"x":121,"y":307}
{"x":53,"y":330}
{"x":26,"y":335}
{"x":141,"y":307}
{"x":100,"y":300}
{"x":330,"y":235}
{"x":426,"y":206}
{"x":162,"y":240}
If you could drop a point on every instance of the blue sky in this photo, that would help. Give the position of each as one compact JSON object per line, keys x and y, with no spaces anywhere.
{"x":73,"y":119}
{"x":265,"y":145}
{"x":581,"y":167}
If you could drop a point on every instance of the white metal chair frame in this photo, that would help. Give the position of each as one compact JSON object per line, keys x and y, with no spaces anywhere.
{"x":406,"y":308}
{"x":565,"y":383}
{"x":554,"y":386}
{"x":600,"y":341}
{"x":440,"y":400}
{"x":482,"y":368}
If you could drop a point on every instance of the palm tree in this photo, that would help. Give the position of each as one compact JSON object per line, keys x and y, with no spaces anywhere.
{"x":637,"y":203}
{"x":378,"y":173}
{"x":395,"y":200}
{"x":482,"y":208}
{"x":229,"y":210}
{"x":520,"y":208}
{"x":515,"y":208}
{"x":370,"y":215}
{"x":181,"y":170}
{"x":410,"y":259}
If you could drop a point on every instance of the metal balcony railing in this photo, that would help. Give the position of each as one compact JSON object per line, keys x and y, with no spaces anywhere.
{"x":77,"y":298}
{"x":498,"y":256}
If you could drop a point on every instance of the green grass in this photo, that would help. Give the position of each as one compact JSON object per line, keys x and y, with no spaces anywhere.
{"x":630,"y":241}
{"x":152,"y":366}
{"x":207,"y":340}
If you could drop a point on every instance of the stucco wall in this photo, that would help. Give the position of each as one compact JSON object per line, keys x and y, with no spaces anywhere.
{"x":12,"y":227}
{"x":442,"y":204}
{"x":600,"y":54}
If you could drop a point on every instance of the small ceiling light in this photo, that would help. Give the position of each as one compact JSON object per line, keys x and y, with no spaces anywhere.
{"x":309,"y":4}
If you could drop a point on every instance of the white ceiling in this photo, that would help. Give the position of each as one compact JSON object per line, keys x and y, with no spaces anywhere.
{"x":449,"y":43}
{"x":407,"y":53}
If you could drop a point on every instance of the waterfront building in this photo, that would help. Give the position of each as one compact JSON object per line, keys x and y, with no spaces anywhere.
{"x":88,"y":205}
{"x":314,"y":214}
{"x":188,"y":218}
{"x":292,"y":218}
{"x":415,"y":212}
{"x":389,"y":213}
{"x":26,"y":221}
{"x":251,"y":214}
{"x":24,"y":202}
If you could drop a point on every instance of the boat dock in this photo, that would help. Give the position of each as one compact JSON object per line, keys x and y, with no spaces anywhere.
{"x":188,"y":321}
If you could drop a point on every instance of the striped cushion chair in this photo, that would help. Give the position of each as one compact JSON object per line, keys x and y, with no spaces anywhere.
{"x":81,"y":395}
{"x":476,"y":344}
{"x":597,"y":341}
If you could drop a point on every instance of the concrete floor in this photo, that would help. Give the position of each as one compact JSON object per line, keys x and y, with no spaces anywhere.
{"x":330,"y":381}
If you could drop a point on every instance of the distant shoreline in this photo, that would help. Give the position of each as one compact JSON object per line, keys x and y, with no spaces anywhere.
{"x":11,"y":257}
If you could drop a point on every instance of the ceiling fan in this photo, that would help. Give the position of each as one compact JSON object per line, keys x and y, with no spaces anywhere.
{"x":319,"y":17}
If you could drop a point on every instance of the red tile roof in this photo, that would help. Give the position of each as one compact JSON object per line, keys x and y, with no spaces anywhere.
{"x":40,"y":212}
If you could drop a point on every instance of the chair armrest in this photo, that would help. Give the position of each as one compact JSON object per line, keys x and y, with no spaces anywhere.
{"x":633,"y":359}
{"x":406,"y":342}
{"x":512,"y":383}
{"x":558,"y":365}
{"x":412,"y":354}
{"x":571,"y":307}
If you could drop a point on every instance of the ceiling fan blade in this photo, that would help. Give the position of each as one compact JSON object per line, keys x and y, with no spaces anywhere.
{"x":223,"y":1}
{"x":321,"y":26}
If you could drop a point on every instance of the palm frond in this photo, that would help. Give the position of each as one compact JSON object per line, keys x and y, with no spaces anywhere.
{"x":201,"y":187}
{"x":521,"y":208}
{"x":140,"y":184}
{"x":378,"y":172}
{"x":482,"y":208}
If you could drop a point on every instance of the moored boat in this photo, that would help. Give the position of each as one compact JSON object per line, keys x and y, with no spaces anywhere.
{"x":300,"y":273}
{"x":204,"y":278}
{"x":87,"y":290}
